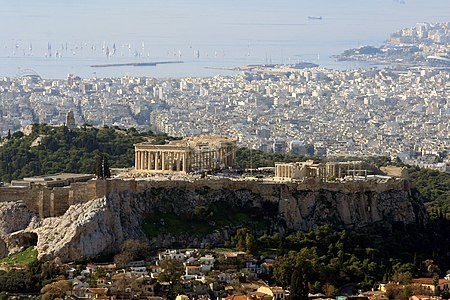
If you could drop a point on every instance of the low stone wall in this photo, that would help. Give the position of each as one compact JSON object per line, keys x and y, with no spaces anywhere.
{"x":50,"y":202}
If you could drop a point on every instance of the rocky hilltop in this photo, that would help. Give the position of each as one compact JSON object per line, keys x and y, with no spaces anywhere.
{"x":99,"y":226}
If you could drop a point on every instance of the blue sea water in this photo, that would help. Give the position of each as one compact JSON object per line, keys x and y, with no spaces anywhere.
{"x":55,"y":38}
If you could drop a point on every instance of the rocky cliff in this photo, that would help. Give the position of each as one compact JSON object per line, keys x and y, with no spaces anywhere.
{"x":14,"y":216}
{"x":100,"y":226}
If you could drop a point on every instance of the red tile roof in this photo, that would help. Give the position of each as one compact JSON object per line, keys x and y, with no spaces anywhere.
{"x":236,"y":297}
{"x":429,"y":281}
{"x":98,"y":290}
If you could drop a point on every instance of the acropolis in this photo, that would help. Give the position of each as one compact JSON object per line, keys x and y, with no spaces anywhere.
{"x":198,"y":153}
{"x":324,"y":171}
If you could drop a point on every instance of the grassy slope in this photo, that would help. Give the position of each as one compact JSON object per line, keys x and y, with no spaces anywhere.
{"x":22,"y":258}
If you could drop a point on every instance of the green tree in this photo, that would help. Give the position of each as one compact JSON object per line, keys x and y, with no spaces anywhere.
{"x":131,"y":250}
{"x":102,"y":170}
{"x":251,"y":247}
{"x":299,"y":269}
{"x":55,"y":289}
{"x":171,"y":270}
{"x":244,"y":240}
{"x":298,"y":286}
{"x":239,"y":238}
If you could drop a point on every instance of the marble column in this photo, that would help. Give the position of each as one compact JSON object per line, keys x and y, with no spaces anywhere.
{"x":156,"y":160}
{"x":140,"y":160}
{"x":163,"y":161}
{"x":178,"y":161}
{"x":151,"y":163}
{"x":146,"y":160}
{"x":136,"y":160}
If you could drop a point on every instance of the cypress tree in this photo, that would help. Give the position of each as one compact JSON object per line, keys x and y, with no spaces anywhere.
{"x":102,"y":170}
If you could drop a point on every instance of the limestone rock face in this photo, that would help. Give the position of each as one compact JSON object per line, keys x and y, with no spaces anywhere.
{"x":14,"y":216}
{"x":305,"y":209}
{"x":100,"y":226}
{"x":86,"y":230}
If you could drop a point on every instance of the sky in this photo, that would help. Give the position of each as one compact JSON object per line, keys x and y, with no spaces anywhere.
{"x":198,"y":20}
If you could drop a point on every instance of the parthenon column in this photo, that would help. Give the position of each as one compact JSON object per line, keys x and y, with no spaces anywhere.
{"x":156,"y":160}
{"x":172,"y":161}
{"x":178,"y":161}
{"x":146,"y":160}
{"x":188,"y":161}
{"x":136,"y":159}
{"x":163,"y":160}
{"x":151,"y":164}
{"x":149,"y":160}
{"x":140,"y":160}
{"x":168,"y":159}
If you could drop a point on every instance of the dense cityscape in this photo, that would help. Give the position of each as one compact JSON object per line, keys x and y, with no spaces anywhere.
{"x":395,"y":112}
{"x":352,"y":202}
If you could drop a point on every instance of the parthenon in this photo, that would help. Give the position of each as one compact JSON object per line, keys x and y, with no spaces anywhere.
{"x":198,"y":153}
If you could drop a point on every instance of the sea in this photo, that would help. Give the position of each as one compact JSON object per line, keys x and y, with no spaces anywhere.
{"x":54,"y":38}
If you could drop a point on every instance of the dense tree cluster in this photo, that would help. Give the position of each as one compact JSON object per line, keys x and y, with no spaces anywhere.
{"x":244,"y":240}
{"x":50,"y":149}
{"x":434,"y":186}
{"x":326,"y":259}
{"x":29,"y":279}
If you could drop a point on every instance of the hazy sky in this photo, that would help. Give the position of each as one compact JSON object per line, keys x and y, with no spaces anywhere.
{"x":200,"y":20}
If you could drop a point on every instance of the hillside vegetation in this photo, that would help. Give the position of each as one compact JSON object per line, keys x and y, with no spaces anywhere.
{"x":50,"y":149}
{"x":434,"y":186}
